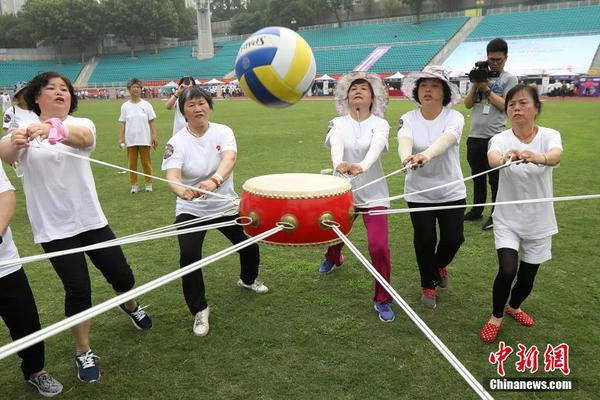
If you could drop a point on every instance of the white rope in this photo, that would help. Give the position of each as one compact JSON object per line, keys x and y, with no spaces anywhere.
{"x":383,"y":177}
{"x":462,"y":370}
{"x":401,"y":196}
{"x":55,"y":149}
{"x":498,"y":203}
{"x":181,"y":224}
{"x":76,"y":319}
{"x":113,"y":243}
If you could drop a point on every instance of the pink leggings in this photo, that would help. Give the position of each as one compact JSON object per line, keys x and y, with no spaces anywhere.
{"x":379,"y":250}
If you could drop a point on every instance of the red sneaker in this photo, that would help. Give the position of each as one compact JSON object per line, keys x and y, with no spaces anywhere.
{"x":489,"y":332}
{"x":428,"y":298}
{"x":444,"y":279}
{"x":521,"y":317}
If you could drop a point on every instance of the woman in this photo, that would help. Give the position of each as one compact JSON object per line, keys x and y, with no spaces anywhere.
{"x":524,"y":229}
{"x":203,"y":154}
{"x":63,"y":205}
{"x":428,"y":142}
{"x":356,"y":139}
{"x":178,"y":119}
{"x":18,"y":112}
{"x":17,"y":305}
{"x":138,"y":132}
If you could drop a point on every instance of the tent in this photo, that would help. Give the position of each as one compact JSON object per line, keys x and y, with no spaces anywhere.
{"x":171,"y":84}
{"x":213,"y":82}
{"x":324,"y":78}
{"x":397,"y":76}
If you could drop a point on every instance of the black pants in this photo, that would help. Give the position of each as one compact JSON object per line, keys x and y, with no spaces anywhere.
{"x":19,"y":312}
{"x":430,"y":258}
{"x":190,"y":251}
{"x":477,"y":157}
{"x":73,"y":272}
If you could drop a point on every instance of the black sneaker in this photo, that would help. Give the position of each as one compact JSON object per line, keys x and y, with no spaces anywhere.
{"x":139,"y":318}
{"x":472,"y":216}
{"x":87,"y":370}
{"x":489,"y":224}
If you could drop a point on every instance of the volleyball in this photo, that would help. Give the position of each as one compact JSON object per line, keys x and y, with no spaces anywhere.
{"x":275,"y":67}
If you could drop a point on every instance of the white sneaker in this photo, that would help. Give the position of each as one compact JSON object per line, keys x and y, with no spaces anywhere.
{"x":256,"y":286}
{"x":149,"y":188}
{"x":135,"y":189}
{"x":200,"y":327}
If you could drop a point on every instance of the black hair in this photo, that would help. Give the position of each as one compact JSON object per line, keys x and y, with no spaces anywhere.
{"x":497,"y":44}
{"x":134,"y":81}
{"x":194,"y":92}
{"x":41,"y":81}
{"x":524,"y":88}
{"x":447,"y":91}
{"x":188,"y":76}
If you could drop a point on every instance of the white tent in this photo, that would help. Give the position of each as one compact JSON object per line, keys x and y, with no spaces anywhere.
{"x":324,"y":78}
{"x":171,"y":84}
{"x":213,"y":82}
{"x":235,"y":82}
{"x":397,"y":76}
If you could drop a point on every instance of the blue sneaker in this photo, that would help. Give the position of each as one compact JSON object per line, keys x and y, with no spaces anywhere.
{"x":139,"y":318}
{"x":386,"y":314}
{"x":87,"y":370}
{"x":326,"y":267}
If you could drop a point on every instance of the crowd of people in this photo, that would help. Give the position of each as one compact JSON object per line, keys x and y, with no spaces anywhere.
{"x":65,"y":212}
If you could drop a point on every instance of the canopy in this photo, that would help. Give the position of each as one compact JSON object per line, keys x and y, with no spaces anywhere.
{"x":213,"y":82}
{"x":171,"y":84}
{"x":397,"y":75}
{"x":325,"y":78}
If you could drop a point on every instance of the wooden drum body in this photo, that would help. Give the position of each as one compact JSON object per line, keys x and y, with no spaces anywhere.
{"x":303,"y":203}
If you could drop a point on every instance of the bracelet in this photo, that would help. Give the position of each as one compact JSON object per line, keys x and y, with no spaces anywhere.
{"x":545,"y":159}
{"x":215,"y":181}
{"x":175,"y":95}
{"x":219,"y":177}
{"x":58,"y":132}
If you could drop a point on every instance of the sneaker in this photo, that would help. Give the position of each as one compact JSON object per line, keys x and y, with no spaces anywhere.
{"x":444,"y":278}
{"x":149,"y":188}
{"x":256,"y":286}
{"x":327,"y":266}
{"x":200,"y":327}
{"x":87,"y":370}
{"x":489,"y":224}
{"x":134,"y":189}
{"x":46,"y":385}
{"x":386,"y":314}
{"x":472,"y":216}
{"x":428,"y":298}
{"x":139,"y":318}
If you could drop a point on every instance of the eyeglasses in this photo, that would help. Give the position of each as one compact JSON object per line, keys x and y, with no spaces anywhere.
{"x":495,"y":60}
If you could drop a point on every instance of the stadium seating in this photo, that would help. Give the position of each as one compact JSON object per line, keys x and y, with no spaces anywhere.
{"x":13,"y":71}
{"x":407,"y":57}
{"x":546,"y":22}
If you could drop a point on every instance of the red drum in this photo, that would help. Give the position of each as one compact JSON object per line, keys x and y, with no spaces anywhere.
{"x":302,"y":202}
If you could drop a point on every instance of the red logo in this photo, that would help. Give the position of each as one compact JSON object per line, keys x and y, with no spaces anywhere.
{"x":218,"y":147}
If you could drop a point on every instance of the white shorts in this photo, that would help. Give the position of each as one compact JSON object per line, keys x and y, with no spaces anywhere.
{"x":532,"y":251}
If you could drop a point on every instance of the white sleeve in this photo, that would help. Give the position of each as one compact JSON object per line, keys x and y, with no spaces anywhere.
{"x":455,"y":125}
{"x":228,"y":140}
{"x":336,"y":142}
{"x":151,"y":113}
{"x":405,"y":144}
{"x":378,"y":144}
{"x":495,"y":144}
{"x":552,"y":140}
{"x":123,"y":116}
{"x":172,"y":156}
{"x":5,"y":184}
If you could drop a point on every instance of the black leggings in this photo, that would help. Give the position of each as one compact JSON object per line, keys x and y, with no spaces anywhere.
{"x":508,"y":261}
{"x":19,"y":312}
{"x":190,"y":251}
{"x":72,"y":269}
{"x":425,"y":240}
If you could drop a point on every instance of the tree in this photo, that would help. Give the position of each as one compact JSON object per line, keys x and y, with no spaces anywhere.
{"x":46,"y":21}
{"x":126,"y":21}
{"x":337,"y":6}
{"x":416,"y":6}
{"x":186,"y":27}
{"x":161,"y":19}
{"x":86,"y":23}
{"x":223,"y":10}
{"x":291,"y":14}
{"x":14,"y":33}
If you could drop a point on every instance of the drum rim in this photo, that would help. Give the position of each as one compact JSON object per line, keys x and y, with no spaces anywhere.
{"x":311,"y":244}
{"x":261,"y":193}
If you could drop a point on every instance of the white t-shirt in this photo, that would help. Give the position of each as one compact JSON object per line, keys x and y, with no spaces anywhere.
{"x":60,"y":191}
{"x":15,"y":115}
{"x":199,"y":159}
{"x":136,"y":117}
{"x":526,"y":181}
{"x":8,"y":250}
{"x":441,"y":169}
{"x":5,"y":101}
{"x":178,"y":119}
{"x":357,"y":141}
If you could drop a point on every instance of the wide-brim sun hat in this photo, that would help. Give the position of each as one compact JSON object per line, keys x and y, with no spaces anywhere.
{"x":380,"y":92}
{"x":18,"y":87}
{"x":430,"y":71}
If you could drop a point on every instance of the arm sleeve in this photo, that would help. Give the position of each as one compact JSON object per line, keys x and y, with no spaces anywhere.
{"x":336,"y":143}
{"x":378,"y":144}
{"x":405,"y":144}
{"x":440,"y":145}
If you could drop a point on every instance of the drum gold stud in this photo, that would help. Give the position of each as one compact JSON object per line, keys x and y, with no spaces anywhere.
{"x":325,"y":217}
{"x":253,"y":215}
{"x":289,"y":222}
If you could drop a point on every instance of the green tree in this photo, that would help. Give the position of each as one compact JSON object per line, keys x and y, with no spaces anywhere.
{"x":337,"y":7}
{"x":86,"y":23}
{"x":291,"y":14}
{"x":160,"y":19}
{"x":14,"y":33}
{"x":224,"y":10}
{"x":46,"y":21}
{"x":416,"y":6}
{"x":126,"y":21}
{"x":186,"y":26}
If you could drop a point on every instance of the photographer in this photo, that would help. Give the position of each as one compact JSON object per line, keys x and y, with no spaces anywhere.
{"x":489,"y":85}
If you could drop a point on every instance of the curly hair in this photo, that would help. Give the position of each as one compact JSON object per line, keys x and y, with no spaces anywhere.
{"x":41,"y":81}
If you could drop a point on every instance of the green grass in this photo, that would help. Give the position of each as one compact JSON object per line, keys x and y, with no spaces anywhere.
{"x":316,"y":336}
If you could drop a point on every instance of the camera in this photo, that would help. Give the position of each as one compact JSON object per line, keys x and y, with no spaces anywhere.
{"x":186,"y":80}
{"x":482,"y":72}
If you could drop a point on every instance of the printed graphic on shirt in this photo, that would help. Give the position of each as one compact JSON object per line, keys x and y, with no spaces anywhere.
{"x":400,"y":124}
{"x":6,"y":118}
{"x":168,"y":151}
{"x":219,"y":148}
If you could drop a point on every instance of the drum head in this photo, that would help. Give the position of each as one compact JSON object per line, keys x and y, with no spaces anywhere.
{"x":297,"y":186}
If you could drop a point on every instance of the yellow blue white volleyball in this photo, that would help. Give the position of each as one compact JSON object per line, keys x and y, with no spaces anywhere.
{"x":275,"y":67}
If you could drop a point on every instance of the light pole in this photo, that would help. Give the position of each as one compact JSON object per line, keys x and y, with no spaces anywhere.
{"x":205,"y":42}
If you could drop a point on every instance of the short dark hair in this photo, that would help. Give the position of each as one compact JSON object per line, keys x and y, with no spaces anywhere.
{"x":41,"y":81}
{"x":447,"y":92}
{"x":188,"y":76}
{"x":523,"y":88}
{"x":134,"y":81}
{"x":497,"y":44}
{"x":194,"y":92}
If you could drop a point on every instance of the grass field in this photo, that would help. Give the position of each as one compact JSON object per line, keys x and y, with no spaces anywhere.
{"x":314,"y":336}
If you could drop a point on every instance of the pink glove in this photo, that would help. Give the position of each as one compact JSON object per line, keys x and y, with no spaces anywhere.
{"x":58,"y":132}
